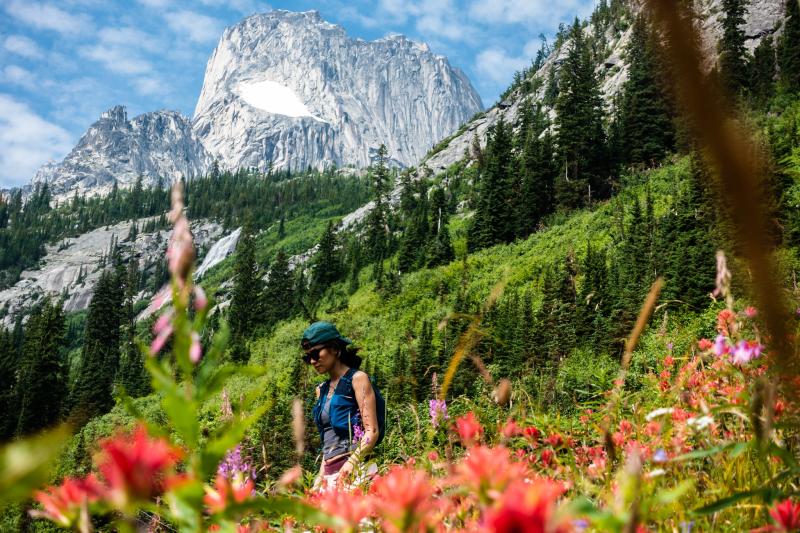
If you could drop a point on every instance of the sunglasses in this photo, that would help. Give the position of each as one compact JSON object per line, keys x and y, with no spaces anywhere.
{"x":312,"y":354}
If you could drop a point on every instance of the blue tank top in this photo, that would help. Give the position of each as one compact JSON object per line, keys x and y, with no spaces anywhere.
{"x":340,"y":413}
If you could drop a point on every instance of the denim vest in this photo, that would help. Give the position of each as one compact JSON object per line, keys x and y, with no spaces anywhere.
{"x":343,"y":412}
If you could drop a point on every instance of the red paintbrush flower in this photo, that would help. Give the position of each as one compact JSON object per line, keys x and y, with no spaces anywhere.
{"x":402,"y":498}
{"x":350,"y":506}
{"x":225,"y":492}
{"x":62,"y":504}
{"x":136,"y":466}
{"x":469,"y":429}
{"x":488,"y":470}
{"x":528,"y":507}
{"x":786,"y":515}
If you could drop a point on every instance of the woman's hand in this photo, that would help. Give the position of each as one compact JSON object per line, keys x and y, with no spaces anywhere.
{"x":345,"y":474}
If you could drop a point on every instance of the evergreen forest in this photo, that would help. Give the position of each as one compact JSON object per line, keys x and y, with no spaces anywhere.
{"x":577,"y":301}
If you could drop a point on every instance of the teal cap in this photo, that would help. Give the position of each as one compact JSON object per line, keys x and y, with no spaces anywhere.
{"x":321,"y":332}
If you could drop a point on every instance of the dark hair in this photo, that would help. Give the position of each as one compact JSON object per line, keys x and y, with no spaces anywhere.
{"x":348,"y":354}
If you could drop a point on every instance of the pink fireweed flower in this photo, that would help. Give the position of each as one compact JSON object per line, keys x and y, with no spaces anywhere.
{"x":180,"y":251}
{"x":721,"y":346}
{"x":63,"y":504}
{"x":469,"y":429}
{"x":195,"y":350}
{"x":160,"y":340}
{"x":200,"y":298}
{"x":234,"y":466}
{"x":437,"y":409}
{"x":163,"y":322}
{"x":786,"y":515}
{"x":745,"y":351}
{"x":358,"y":433}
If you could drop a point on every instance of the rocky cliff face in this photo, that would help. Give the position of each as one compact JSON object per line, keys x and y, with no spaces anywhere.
{"x":151,"y":145}
{"x":764,"y":17}
{"x":71,"y":268}
{"x":292,"y":90}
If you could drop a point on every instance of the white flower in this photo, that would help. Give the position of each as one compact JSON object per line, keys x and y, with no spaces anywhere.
{"x":700,"y":423}
{"x":655,"y":473}
{"x":659,"y":412}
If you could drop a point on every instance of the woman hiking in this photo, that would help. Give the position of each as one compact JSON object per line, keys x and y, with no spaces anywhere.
{"x":345,"y":410}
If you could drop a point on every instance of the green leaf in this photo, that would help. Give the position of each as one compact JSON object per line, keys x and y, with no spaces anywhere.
{"x":666,"y":497}
{"x":228,"y":437}
{"x":303,"y":512}
{"x":700,"y":454}
{"x":25,"y":464}
{"x":724,"y":503}
{"x":182,"y":412}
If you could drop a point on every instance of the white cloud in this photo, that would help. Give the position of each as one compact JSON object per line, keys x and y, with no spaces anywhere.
{"x":49,"y":17}
{"x":22,"y":46}
{"x":542,"y":12}
{"x":26,"y":142}
{"x":116,"y":59}
{"x":149,"y":86}
{"x":245,"y":7}
{"x":16,"y":75}
{"x":498,"y":66}
{"x":156,"y":3}
{"x":122,"y":50}
{"x":130,"y":38}
{"x":196,"y":27}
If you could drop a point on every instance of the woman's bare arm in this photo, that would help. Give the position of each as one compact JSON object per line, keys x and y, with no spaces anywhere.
{"x":365,"y":397}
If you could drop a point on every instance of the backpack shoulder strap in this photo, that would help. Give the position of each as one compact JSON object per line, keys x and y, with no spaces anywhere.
{"x":347,"y":380}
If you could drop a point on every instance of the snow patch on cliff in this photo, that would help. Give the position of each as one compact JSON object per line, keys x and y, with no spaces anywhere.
{"x":272,"y":97}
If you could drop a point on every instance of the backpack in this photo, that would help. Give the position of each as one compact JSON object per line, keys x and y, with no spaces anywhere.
{"x":345,"y":389}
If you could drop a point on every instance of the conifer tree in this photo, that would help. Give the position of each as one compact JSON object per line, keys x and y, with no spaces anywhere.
{"x":132,"y":374}
{"x":93,"y":391}
{"x":689,"y":238}
{"x":762,"y":72}
{"x":43,"y":374}
{"x":425,"y":364}
{"x":400,"y":384}
{"x":244,"y":312}
{"x":440,"y":249}
{"x":493,"y":220}
{"x":645,"y":119}
{"x":377,"y":241}
{"x":279,"y":290}
{"x":327,"y":267}
{"x":789,"y":53}
{"x":537,"y":174}
{"x":556,"y":334}
{"x":579,"y":124}
{"x":594,"y":300}
{"x":9,"y":368}
{"x":416,"y":235}
{"x":732,"y":52}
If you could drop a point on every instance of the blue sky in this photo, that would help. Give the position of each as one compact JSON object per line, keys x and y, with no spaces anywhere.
{"x":64,"y":62}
